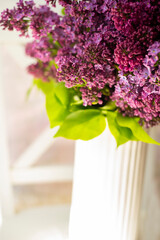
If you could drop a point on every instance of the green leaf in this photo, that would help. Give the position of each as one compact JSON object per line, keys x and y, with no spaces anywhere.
{"x":110,"y":105}
{"x":82,"y":124}
{"x":136,"y":129}
{"x":62,"y":93}
{"x":121,"y":134}
{"x":45,"y":87}
{"x":63,"y":11}
{"x":56,"y":111}
{"x":29,"y":91}
{"x":51,"y":63}
{"x":58,"y":99}
{"x":57,"y":104}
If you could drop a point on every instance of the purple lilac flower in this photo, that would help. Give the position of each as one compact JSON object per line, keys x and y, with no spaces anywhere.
{"x":89,"y":63}
{"x":43,"y":71}
{"x":87,"y":70}
{"x":18,"y":17}
{"x":41,"y":49}
{"x":97,"y":45}
{"x":134,"y":22}
{"x":138,"y":93}
{"x":42,"y":21}
{"x":26,"y":15}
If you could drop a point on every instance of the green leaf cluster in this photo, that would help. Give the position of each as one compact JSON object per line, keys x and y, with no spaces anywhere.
{"x":125,"y":129}
{"x":74,"y":120}
{"x":65,"y":109}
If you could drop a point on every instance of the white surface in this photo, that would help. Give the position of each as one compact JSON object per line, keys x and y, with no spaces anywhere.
{"x":45,"y":223}
{"x":44,"y":174}
{"x":36,"y":149}
{"x":106,"y":190}
{"x":149,"y":225}
{"x":6,"y":197}
{"x":38,"y":224}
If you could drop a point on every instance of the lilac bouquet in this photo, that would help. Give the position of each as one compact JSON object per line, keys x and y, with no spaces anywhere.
{"x":97,"y":60}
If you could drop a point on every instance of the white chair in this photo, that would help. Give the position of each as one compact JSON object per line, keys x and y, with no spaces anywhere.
{"x":42,"y":223}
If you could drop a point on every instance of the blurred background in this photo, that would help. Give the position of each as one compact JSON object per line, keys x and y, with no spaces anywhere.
{"x":40,"y":167}
{"x":41,"y":183}
{"x":26,"y":122}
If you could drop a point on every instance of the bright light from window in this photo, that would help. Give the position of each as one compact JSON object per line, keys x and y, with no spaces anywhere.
{"x":0,"y":217}
{"x":48,"y":235}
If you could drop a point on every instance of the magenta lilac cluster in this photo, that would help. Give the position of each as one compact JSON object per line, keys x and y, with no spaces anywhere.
{"x":107,"y":49}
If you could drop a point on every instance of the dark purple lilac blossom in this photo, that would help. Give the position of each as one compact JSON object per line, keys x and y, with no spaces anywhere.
{"x":107,"y":49}
{"x":138,"y":25}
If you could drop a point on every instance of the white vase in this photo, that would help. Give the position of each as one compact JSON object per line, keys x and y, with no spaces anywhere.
{"x":107,"y":189}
